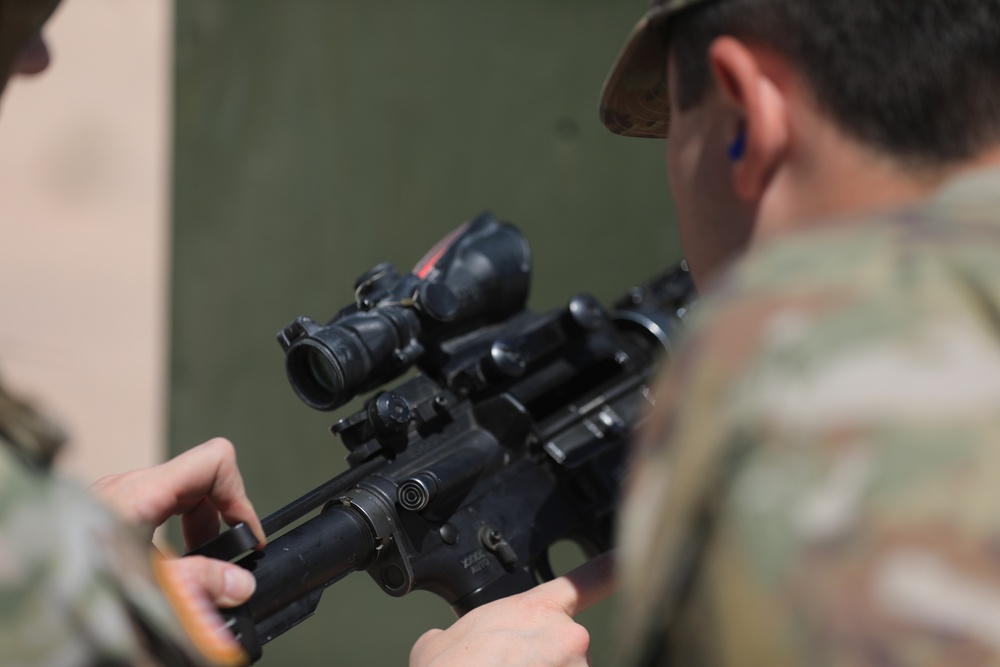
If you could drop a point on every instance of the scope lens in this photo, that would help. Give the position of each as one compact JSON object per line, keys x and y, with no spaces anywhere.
{"x":314,"y":375}
{"x":322,"y":371}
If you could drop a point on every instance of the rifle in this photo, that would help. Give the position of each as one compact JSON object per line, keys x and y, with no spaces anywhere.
{"x":511,"y":437}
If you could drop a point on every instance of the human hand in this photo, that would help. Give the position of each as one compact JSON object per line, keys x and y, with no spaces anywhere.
{"x":203,"y":485}
{"x":532,"y":629}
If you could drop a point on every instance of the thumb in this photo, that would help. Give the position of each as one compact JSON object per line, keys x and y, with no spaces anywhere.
{"x":225,"y":584}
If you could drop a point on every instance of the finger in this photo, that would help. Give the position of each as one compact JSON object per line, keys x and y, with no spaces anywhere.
{"x":225,"y":584}
{"x":199,"y":525}
{"x":118,"y":493}
{"x":584,"y":587}
{"x":207,"y":471}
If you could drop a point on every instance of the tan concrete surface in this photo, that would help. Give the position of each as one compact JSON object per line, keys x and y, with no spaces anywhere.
{"x":84,"y":157}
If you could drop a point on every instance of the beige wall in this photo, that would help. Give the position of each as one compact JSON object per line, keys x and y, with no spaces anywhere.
{"x":84,"y":155}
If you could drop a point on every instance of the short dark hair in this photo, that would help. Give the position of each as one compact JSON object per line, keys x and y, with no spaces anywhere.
{"x":918,"y":80}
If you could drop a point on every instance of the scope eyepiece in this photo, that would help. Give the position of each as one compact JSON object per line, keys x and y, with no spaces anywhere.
{"x":315,"y":374}
{"x":480,"y":272}
{"x":328,"y":365}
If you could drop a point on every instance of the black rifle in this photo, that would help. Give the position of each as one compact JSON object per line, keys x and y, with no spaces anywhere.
{"x":511,"y":438}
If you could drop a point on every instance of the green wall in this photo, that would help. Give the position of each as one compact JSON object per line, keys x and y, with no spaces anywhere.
{"x":316,"y":138}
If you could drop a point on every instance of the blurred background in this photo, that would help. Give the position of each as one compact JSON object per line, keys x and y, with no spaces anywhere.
{"x":191,"y":175}
{"x":84,"y":181}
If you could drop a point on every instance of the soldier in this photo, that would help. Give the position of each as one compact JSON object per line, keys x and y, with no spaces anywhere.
{"x":79,"y":586}
{"x":820,"y":483}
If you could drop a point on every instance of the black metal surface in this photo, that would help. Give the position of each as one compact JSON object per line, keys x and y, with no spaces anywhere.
{"x":511,"y":439}
{"x":293,"y":570}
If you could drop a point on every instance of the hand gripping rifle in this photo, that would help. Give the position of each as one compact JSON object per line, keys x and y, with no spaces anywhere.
{"x":511,"y":438}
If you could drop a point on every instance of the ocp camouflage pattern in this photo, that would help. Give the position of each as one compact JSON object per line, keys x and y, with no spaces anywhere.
{"x":27,"y":432}
{"x":76,"y":587}
{"x":635,"y":101}
{"x":820,"y":482}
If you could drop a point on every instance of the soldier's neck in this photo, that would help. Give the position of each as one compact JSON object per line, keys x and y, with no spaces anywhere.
{"x":835,"y":180}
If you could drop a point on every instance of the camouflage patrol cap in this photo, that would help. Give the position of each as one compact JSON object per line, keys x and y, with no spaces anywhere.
{"x":635,"y":100}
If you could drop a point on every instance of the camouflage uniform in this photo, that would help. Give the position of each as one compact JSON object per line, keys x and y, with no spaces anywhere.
{"x":822,"y":486}
{"x":76,"y":587}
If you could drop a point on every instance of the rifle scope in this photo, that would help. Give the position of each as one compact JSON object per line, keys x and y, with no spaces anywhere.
{"x":479,"y":273}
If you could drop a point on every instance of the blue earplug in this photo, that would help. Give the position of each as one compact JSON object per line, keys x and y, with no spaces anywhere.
{"x":738,"y":147}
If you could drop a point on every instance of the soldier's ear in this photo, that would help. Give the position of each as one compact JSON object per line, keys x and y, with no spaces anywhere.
{"x":758,"y":116}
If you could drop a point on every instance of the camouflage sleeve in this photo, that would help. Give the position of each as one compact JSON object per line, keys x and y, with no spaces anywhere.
{"x":821,"y":484}
{"x":76,"y":588}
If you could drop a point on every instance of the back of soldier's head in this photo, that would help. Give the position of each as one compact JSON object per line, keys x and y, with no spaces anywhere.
{"x":917,"y":79}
